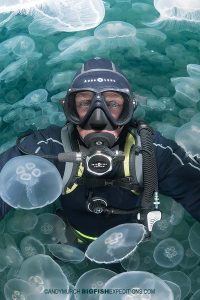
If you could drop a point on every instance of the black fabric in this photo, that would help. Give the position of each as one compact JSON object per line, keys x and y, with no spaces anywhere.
{"x":178,"y":176}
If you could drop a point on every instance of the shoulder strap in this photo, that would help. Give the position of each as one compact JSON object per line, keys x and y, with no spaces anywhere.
{"x":71,"y":169}
{"x":133,"y":157}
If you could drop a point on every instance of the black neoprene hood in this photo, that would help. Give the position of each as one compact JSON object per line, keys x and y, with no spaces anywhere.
{"x":99,"y":74}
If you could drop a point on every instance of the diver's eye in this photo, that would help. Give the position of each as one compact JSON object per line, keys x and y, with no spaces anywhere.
{"x":113,"y":104}
{"x":84,"y":103}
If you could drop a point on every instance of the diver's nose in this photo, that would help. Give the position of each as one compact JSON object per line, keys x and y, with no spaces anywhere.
{"x":98,"y":119}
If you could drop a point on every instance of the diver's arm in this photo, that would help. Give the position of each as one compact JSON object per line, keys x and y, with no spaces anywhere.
{"x":178,"y":175}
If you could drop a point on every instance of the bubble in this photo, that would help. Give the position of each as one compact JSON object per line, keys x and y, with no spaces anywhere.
{"x":168,"y":253}
{"x":28,"y":189}
{"x":116,"y":243}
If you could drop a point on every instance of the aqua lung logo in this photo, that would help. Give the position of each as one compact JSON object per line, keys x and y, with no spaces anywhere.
{"x":100,"y":80}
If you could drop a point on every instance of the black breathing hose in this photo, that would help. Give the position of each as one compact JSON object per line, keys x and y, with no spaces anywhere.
{"x":150,"y":177}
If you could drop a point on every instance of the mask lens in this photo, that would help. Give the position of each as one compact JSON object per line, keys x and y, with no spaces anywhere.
{"x":115,"y":103}
{"x":82,"y":102}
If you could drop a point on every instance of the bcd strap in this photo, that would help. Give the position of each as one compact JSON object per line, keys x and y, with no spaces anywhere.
{"x":133,"y":174}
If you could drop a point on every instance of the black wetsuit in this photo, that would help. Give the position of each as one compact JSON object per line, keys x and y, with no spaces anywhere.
{"x":178,"y":176}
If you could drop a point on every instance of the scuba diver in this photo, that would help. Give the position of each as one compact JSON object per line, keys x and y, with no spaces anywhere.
{"x":112,"y":165}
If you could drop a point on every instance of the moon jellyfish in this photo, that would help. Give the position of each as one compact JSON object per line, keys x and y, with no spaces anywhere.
{"x":151,"y":36}
{"x":168,"y":253}
{"x":35,"y":98}
{"x":60,"y":81}
{"x":175,"y":289}
{"x":190,"y":259}
{"x":3,"y":261}
{"x":145,"y":251}
{"x":13,"y":257}
{"x":67,"y":42}
{"x":30,"y":246}
{"x":177,"y":15}
{"x":58,"y":16}
{"x":177,"y":213}
{"x":58,"y":119}
{"x":66,"y":253}
{"x":196,"y":295}
{"x":187,"y":136}
{"x":132,"y":262}
{"x":144,"y":282}
{"x":50,"y":229}
{"x":116,"y":243}
{"x":187,"y":94}
{"x":82,"y":46}
{"x":2,"y":225}
{"x":21,"y":222}
{"x":195,"y":279}
{"x":163,"y":228}
{"x":194,"y":238}
{"x":93,"y":279}
{"x":42,"y":273}
{"x":193,"y":71}
{"x":18,"y":289}
{"x":117,"y":34}
{"x":29,"y":182}
{"x":14,"y":70}
{"x":179,"y":278}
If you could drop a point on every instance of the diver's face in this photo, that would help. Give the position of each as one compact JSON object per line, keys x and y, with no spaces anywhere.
{"x":113,"y":100}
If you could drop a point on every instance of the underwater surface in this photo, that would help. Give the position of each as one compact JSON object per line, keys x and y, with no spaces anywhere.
{"x":42,"y":44}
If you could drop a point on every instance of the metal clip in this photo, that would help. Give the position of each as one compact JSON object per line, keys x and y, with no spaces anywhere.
{"x":152,"y":217}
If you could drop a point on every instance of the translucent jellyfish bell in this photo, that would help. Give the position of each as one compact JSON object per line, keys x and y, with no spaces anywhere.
{"x":66,"y":253}
{"x":42,"y":272}
{"x":21,"y":222}
{"x":50,"y":229}
{"x":177,"y":14}
{"x":175,"y":289}
{"x":187,"y":136}
{"x":14,"y":70}
{"x":138,"y":281}
{"x":179,"y":278}
{"x":29,"y":182}
{"x":116,"y":243}
{"x":18,"y":289}
{"x":31,"y":246}
{"x":62,"y":15}
{"x":117,"y":34}
{"x":195,"y":279}
{"x":35,"y":98}
{"x":194,"y":238}
{"x":168,"y":253}
{"x":93,"y":279}
{"x":190,"y":259}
